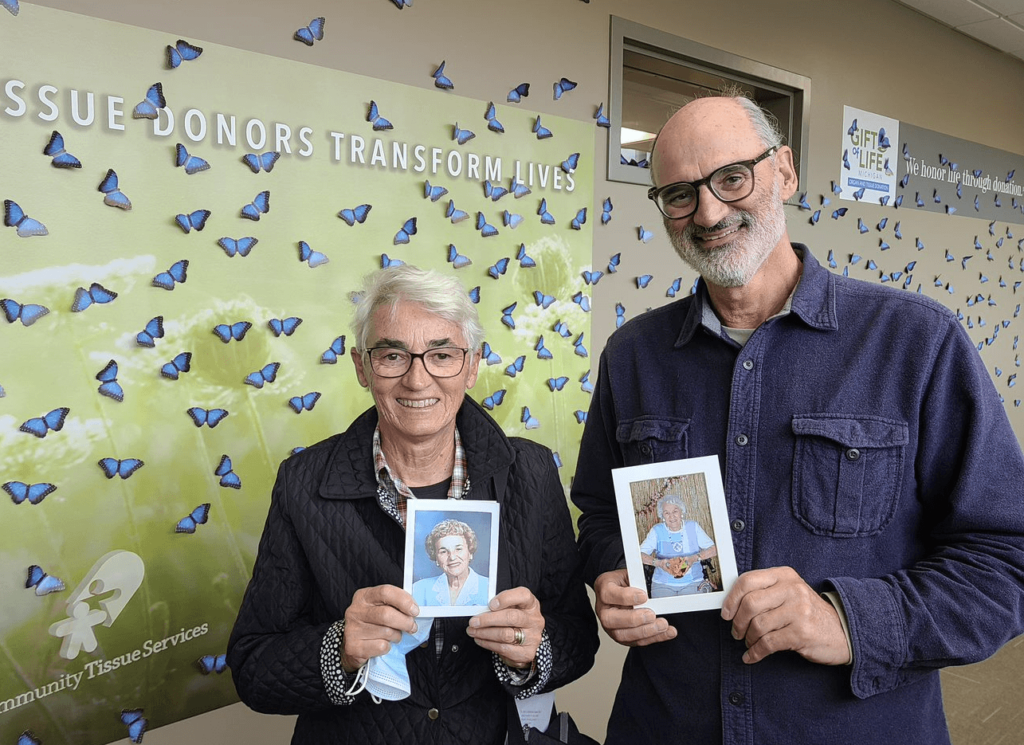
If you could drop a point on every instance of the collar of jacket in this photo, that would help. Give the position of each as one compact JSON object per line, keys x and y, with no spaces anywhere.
{"x":814,"y":301}
{"x":349,"y":472}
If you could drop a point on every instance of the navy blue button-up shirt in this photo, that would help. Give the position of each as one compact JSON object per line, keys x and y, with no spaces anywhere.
{"x":862,"y":443}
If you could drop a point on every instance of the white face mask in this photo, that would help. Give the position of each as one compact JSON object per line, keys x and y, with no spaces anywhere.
{"x":387,"y":676}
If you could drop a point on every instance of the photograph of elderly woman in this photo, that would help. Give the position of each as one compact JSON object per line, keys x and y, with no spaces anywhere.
{"x":676,"y":534}
{"x":451,"y":559}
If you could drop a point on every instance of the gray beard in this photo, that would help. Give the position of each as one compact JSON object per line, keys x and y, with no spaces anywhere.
{"x":735,"y":263}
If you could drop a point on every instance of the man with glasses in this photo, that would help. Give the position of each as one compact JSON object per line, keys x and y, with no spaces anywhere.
{"x":873,"y":482}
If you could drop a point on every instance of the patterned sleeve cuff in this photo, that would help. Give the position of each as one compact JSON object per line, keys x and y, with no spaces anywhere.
{"x":537,"y":677}
{"x":336,"y":680}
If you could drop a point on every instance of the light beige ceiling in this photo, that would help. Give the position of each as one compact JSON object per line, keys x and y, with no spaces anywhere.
{"x":998,"y":23}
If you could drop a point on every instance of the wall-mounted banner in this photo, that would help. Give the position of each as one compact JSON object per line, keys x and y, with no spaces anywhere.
{"x":887,"y":160}
{"x":181,"y":231}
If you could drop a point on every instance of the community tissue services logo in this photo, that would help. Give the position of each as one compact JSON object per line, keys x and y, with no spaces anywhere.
{"x":112,"y":582}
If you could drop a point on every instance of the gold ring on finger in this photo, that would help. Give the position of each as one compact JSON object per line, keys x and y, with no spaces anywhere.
{"x":519,"y":637}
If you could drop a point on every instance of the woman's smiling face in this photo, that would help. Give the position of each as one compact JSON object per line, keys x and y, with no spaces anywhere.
{"x":453,"y":555}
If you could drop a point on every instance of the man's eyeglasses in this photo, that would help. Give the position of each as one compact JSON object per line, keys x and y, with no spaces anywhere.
{"x":729,"y":183}
{"x":442,"y":362}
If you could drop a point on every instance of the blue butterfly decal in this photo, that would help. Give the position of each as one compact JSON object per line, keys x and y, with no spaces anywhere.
{"x":14,"y":8}
{"x":490,"y":356}
{"x":499,"y":268}
{"x":516,"y":367}
{"x":486,"y":230}
{"x":260,"y":162}
{"x":15,"y":217}
{"x":474,"y":294}
{"x":526,"y":262}
{"x":112,"y":467}
{"x":585,"y":385}
{"x":43,"y":583}
{"x":543,"y":353}
{"x":453,"y":214}
{"x":613,"y":263}
{"x":236,"y":331}
{"x":620,"y":314}
{"x":606,"y":211}
{"x":402,"y":3}
{"x":528,"y":419}
{"x":311,"y":257}
{"x":883,"y":139}
{"x":674,"y":288}
{"x":52,"y":421}
{"x":511,"y":220}
{"x":192,"y":221}
{"x":540,"y":130}
{"x":882,"y":223}
{"x":861,"y":226}
{"x":950,"y":209}
{"x":457,"y":260}
{"x":95,"y":294}
{"x":853,"y":128}
{"x":543,"y":300}
{"x":440,"y":79}
{"x":518,"y":188}
{"x":859,"y":194}
{"x":518,"y":93}
{"x":176,"y":274}
{"x":803,"y":203}
{"x":213,"y":663}
{"x":150,"y":106}
{"x":896,"y":230}
{"x":313,"y":32}
{"x":241,"y":246}
{"x":181,"y":363}
{"x":832,"y":259}
{"x":871,"y":264}
{"x":1009,"y":175}
{"x":494,"y":399}
{"x":494,"y":192}
{"x":356,"y":214}
{"x":506,"y":315}
{"x":227,"y":475}
{"x":194,"y":519}
{"x":582,"y":300}
{"x":854,"y":258}
{"x":154,"y":330}
{"x":109,"y":386}
{"x":836,"y":189}
{"x":917,"y":199}
{"x":34,"y":493}
{"x":557,"y":384}
{"x":643,"y":280}
{"x":562,"y":329}
{"x":373,"y":116}
{"x":959,"y":191}
{"x":581,"y":416}
{"x":332,"y":353}
{"x":580,"y":219}
{"x":462,"y":136}
{"x":846,"y":159}
{"x":266,"y":374}
{"x":260,"y":206}
{"x":563,"y":86}
{"x":918,"y":244}
{"x":836,"y":214}
{"x":884,"y":200}
{"x":113,"y":196}
{"x":408,"y":230}
{"x":580,"y":349}
{"x":182,"y":51}
{"x":433,"y":193}
{"x":305,"y":402}
{"x":545,"y":217}
{"x":387,"y":262}
{"x":571,"y":163}
{"x":643,"y":235}
{"x":491,"y":115}
{"x":192,"y":163}
{"x":210,"y":417}
{"x":557,"y":458}
{"x":61,"y":157}
{"x":602,"y":120}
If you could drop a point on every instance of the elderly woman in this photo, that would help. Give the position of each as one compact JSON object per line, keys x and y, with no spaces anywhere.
{"x":675,"y":548}
{"x":325,"y":605}
{"x":451,"y":545}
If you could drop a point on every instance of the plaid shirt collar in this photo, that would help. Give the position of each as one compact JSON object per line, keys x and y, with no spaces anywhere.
{"x":392,"y":492}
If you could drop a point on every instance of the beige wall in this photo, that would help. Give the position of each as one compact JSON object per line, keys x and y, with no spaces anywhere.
{"x":871,"y":54}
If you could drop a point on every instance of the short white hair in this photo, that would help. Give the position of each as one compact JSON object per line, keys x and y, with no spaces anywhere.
{"x":670,"y":499}
{"x":441,"y":294}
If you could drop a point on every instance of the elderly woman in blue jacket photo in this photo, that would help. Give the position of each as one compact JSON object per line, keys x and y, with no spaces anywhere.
{"x":451,"y":544}
{"x":324,"y":615}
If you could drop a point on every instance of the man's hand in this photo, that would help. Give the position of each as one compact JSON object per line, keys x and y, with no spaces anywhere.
{"x":623,"y":623}
{"x":513,"y":609}
{"x":376,"y":619}
{"x":775,"y":610}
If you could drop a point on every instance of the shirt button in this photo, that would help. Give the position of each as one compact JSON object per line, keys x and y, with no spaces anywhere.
{"x":742,"y":440}
{"x":645,"y":449}
{"x":735,"y":698}
{"x":738,"y":525}
{"x":748,"y":364}
{"x":853,"y":454}
{"x":455,"y":647}
{"x":434,"y":713}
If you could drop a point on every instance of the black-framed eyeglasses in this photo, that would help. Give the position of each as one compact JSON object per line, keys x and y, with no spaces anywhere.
{"x":440,"y":362}
{"x":729,"y":183}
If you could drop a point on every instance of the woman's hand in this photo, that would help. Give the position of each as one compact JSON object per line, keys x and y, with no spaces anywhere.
{"x":375,"y":620}
{"x":511,"y":610}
